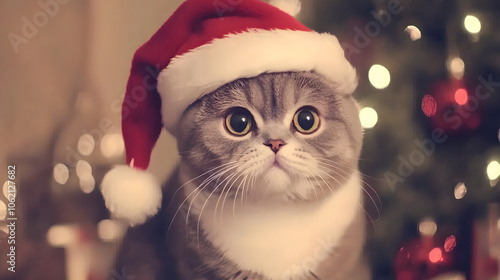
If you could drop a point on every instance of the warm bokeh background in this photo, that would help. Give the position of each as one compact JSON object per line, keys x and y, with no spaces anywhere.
{"x":63,"y":70}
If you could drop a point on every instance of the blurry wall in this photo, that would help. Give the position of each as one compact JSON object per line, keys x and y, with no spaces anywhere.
{"x":117,"y":29}
{"x":63,"y":70}
{"x":72,"y":63}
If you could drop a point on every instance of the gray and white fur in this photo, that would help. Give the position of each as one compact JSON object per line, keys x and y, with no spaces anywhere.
{"x":275,"y":203}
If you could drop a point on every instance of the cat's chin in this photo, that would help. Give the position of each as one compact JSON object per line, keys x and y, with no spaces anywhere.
{"x":276,"y":184}
{"x":276,"y":179}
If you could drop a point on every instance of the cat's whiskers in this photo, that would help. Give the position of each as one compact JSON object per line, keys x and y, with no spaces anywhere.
{"x":303,"y":179}
{"x":348,"y":167}
{"x":312,"y":187}
{"x":253,"y":182}
{"x":223,"y":193}
{"x":249,"y":184}
{"x":192,"y":192}
{"x":205,"y":203}
{"x":197,"y":177}
{"x":246,"y":187}
{"x":199,"y":191}
{"x":237,"y":189}
{"x":354,"y":169}
{"x":369,"y":195}
{"x":326,"y":183}
{"x":187,"y":197}
{"x":359,"y":204}
{"x":205,"y":184}
{"x":364,"y":182}
{"x":306,"y":180}
{"x":225,"y":196}
{"x":319,"y":184}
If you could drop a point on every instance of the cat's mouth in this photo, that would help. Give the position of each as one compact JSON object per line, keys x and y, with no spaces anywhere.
{"x":276,"y":163}
{"x":277,"y":167}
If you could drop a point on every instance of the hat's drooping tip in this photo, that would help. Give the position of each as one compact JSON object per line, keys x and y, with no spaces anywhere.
{"x":131,"y":194}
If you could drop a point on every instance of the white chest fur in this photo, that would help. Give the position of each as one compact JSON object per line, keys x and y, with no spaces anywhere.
{"x":281,"y":241}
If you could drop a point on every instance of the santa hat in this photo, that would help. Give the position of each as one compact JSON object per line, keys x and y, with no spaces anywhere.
{"x":202,"y":46}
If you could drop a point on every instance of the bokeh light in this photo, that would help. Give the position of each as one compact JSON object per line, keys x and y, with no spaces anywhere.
{"x":427,"y":227}
{"x":460,"y":190}
{"x":449,"y":276}
{"x":61,"y":173}
{"x":109,"y":230}
{"x":61,"y":235}
{"x":493,"y":170}
{"x":429,"y":105}
{"x":472,"y":24}
{"x":414,"y":32}
{"x":457,"y":68}
{"x":379,"y":76}
{"x":6,"y":191}
{"x":3,"y":210}
{"x":83,"y":169}
{"x":86,"y":144}
{"x":436,"y":255}
{"x":450,"y":243}
{"x":368,"y":117}
{"x":112,"y":145}
{"x":87,"y":184}
{"x":461,"y":96}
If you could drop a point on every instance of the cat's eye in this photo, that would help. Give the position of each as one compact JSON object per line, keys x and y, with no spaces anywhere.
{"x":239,"y":122}
{"x":306,"y":120}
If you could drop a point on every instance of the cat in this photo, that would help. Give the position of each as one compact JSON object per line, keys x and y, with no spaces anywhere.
{"x":267,"y":187}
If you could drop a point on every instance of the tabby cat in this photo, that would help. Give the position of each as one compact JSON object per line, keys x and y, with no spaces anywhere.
{"x":267,"y":187}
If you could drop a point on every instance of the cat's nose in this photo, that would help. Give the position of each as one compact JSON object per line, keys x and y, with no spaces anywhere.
{"x":275,"y":144}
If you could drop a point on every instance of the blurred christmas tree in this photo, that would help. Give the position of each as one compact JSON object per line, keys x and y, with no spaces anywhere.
{"x":432,"y":133}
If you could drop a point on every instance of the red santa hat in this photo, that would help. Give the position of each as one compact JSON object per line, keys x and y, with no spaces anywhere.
{"x":202,"y":46}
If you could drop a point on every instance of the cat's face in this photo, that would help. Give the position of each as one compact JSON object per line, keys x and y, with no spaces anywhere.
{"x":281,"y":136}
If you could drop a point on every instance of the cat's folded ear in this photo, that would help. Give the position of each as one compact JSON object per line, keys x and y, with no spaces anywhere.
{"x":130,"y":194}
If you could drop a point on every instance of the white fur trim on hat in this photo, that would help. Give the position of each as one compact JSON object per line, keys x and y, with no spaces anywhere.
{"x":131,"y":194}
{"x":249,"y":54}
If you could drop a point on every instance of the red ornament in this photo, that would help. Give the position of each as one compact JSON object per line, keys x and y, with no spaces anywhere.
{"x":424,"y":258}
{"x":450,"y":243}
{"x":436,"y":255}
{"x":461,"y":96}
{"x":429,"y":106}
{"x":455,"y":110}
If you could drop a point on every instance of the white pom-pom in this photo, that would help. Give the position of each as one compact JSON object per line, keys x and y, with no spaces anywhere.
{"x":291,"y":7}
{"x":131,"y":194}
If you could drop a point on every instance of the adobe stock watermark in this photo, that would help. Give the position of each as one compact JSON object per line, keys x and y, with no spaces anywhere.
{"x":427,"y":147}
{"x":31,"y":26}
{"x":373,"y":28}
